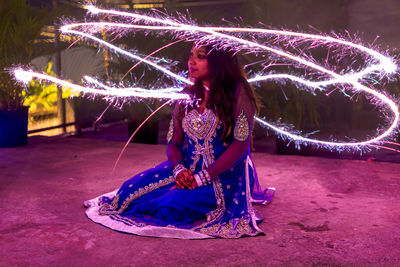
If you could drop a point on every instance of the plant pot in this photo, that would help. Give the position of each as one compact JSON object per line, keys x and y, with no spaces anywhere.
{"x":14,"y":127}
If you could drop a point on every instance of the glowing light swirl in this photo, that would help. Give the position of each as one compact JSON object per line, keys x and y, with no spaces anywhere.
{"x":219,"y":35}
{"x":168,"y":93}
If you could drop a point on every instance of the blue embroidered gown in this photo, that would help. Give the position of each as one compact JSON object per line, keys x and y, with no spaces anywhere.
{"x":146,"y":205}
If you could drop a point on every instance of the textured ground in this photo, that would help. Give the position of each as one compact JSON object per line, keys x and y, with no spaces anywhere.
{"x":327,"y":212}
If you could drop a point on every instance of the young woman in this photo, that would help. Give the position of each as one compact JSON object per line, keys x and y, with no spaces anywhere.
{"x":207,"y":186}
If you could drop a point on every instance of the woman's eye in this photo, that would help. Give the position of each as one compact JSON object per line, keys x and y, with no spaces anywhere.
{"x":201,"y":56}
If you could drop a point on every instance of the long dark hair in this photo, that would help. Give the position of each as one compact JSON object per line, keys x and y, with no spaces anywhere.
{"x":227,"y":74}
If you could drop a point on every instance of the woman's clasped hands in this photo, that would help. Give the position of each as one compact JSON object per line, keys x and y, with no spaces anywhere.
{"x":185,"y":179}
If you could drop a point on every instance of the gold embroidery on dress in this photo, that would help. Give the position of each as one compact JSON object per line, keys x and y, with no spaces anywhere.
{"x":203,"y":127}
{"x":108,"y":209}
{"x":241,"y":131}
{"x":235,"y":228}
{"x":170,"y":131}
{"x":108,"y":206}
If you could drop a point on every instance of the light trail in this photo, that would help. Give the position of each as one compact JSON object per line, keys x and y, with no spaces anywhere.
{"x":167,"y":93}
{"x":219,"y":36}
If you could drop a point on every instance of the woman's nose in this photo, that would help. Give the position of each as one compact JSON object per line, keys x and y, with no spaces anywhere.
{"x":191,"y":61}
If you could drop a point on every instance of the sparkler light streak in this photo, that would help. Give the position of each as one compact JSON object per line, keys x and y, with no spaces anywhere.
{"x":231,"y":38}
{"x":167,"y":93}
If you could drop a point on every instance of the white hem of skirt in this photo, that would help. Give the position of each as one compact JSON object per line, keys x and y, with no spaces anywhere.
{"x":92,"y":213}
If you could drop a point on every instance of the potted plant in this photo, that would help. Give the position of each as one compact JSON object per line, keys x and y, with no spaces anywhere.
{"x":20,"y":29}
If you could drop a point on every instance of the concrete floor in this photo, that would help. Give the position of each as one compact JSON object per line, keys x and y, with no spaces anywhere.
{"x":327,"y":212}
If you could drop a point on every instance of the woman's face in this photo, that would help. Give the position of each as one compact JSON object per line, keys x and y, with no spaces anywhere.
{"x":198,"y":64}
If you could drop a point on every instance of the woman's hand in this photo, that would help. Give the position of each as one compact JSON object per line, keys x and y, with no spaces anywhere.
{"x":185,"y":179}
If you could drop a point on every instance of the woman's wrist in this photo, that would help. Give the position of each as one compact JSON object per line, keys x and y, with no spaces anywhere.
{"x":202,"y":178}
{"x":178,"y":169}
{"x":198,"y":180}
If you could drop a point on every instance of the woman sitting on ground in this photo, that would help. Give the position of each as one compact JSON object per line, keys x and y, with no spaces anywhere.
{"x":207,"y":186}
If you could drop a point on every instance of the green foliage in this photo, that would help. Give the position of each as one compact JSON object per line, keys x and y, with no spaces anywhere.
{"x":42,"y":97}
{"x":20,"y":28}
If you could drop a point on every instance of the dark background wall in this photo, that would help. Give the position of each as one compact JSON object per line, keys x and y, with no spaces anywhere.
{"x":376,"y":18}
{"x":369,"y":18}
